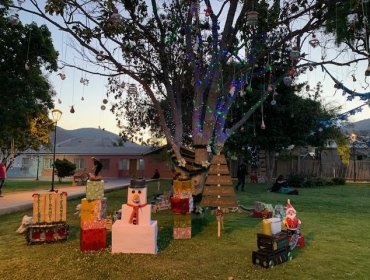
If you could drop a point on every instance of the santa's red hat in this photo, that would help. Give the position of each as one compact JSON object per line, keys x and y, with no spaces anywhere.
{"x":289,"y":207}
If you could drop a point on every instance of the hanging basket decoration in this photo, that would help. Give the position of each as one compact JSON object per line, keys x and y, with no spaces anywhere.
{"x":72,"y":111}
{"x":132,"y":89}
{"x":263,"y":126}
{"x":115,"y":18}
{"x":105,"y":101}
{"x":314,"y":42}
{"x":14,"y":19}
{"x":102,"y":107}
{"x":100,"y":56}
{"x":252,"y":18}
{"x":295,"y":54}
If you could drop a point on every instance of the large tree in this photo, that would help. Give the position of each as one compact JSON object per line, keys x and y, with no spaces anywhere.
{"x":27,"y":54}
{"x":181,"y":56}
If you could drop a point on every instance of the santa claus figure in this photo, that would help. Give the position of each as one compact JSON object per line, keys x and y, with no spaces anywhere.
{"x":291,"y":222}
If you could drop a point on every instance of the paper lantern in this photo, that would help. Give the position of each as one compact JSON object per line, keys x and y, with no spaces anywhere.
{"x":252,"y":18}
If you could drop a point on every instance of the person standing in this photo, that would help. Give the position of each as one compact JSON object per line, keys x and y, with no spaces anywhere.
{"x":98,"y":166}
{"x":2,"y":174}
{"x":242,"y":172}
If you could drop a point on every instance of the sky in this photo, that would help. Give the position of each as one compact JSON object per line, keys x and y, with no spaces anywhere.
{"x":88,"y":112}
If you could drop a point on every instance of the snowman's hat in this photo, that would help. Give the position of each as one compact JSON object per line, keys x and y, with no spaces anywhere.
{"x":137,"y":183}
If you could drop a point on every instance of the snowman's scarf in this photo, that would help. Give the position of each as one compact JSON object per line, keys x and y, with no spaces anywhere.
{"x":135,"y":212}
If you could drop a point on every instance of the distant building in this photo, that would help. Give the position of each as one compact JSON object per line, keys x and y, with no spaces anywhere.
{"x":119,"y":159}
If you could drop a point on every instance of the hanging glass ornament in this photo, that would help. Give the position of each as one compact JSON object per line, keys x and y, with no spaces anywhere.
{"x":307,"y":87}
{"x":263,"y":126}
{"x":27,"y":66}
{"x":252,"y":18}
{"x":314,"y":42}
{"x":72,"y":111}
{"x":208,"y":12}
{"x":295,"y":53}
{"x":123,"y":84}
{"x":102,"y":107}
{"x":100,"y":56}
{"x":273,"y":102}
{"x":59,"y":101}
{"x":13,"y":19}
{"x":82,"y":98}
{"x":310,"y":67}
{"x":354,"y":78}
{"x":287,"y":80}
{"x":105,"y":101}
{"x":367,"y":72}
{"x":270,"y":88}
{"x":115,"y":18}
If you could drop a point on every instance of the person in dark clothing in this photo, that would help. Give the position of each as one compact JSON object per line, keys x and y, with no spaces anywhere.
{"x":98,"y":166}
{"x":241,"y":173}
{"x":156,"y":174}
{"x":281,"y":186}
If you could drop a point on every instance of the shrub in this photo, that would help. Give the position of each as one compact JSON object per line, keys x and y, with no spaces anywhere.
{"x":295,"y":180}
{"x":308,"y":184}
{"x":338,"y":181}
{"x":64,"y":168}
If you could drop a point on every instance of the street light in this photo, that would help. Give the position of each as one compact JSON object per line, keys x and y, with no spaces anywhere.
{"x":353,"y":139}
{"x":57,"y":114}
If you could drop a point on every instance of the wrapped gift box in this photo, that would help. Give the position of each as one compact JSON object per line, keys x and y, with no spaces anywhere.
{"x":128,"y":238}
{"x":61,"y":207}
{"x":93,"y":224}
{"x":182,"y":221}
{"x":182,"y":186}
{"x":50,"y":207}
{"x":47,"y":233}
{"x":38,"y":215}
{"x":182,"y":233}
{"x":272,"y":242}
{"x":94,"y":190}
{"x":93,"y":239}
{"x":93,"y":210}
{"x":180,"y":205}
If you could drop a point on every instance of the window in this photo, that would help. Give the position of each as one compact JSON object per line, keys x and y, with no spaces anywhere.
{"x":48,"y":163}
{"x":140,"y":164}
{"x":26,"y":161}
{"x":79,"y":162}
{"x":124,"y":164}
{"x":105,"y":163}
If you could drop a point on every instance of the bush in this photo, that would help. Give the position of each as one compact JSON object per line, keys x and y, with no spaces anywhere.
{"x":64,"y":168}
{"x":308,"y":184}
{"x":338,"y":181}
{"x":295,"y":181}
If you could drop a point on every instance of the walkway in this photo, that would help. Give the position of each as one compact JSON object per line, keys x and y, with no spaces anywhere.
{"x":17,"y":201}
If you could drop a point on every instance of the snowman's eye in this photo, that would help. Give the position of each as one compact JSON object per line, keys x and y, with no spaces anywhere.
{"x":139,"y":192}
{"x":133,"y":191}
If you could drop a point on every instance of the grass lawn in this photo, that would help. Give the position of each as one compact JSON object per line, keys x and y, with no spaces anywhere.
{"x":335,"y":224}
{"x":16,"y":185}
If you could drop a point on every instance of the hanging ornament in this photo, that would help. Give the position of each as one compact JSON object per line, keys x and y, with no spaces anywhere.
{"x":208,"y":12}
{"x":100,"y":56}
{"x":72,"y":111}
{"x":252,"y":18}
{"x":310,"y":67}
{"x":314,"y":42}
{"x":263,"y":126}
{"x":242,"y":92}
{"x":354,"y":78}
{"x":20,"y":2}
{"x":307,"y":87}
{"x":295,"y":54}
{"x":273,"y":102}
{"x":13,"y":19}
{"x":59,"y":101}
{"x":292,"y":71}
{"x":123,"y":84}
{"x":26,"y":66}
{"x":232,"y":89}
{"x":195,"y":7}
{"x":242,"y":129}
{"x":132,"y":89}
{"x":82,"y":98}
{"x":85,"y":82}
{"x":287,"y":81}
{"x":102,"y":107}
{"x":62,"y":76}
{"x":270,"y":88}
{"x":367,"y":72}
{"x":105,"y":101}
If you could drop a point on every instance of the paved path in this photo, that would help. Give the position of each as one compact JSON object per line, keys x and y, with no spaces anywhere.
{"x":16,"y":201}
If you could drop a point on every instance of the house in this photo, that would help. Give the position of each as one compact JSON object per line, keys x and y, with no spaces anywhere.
{"x":119,"y":159}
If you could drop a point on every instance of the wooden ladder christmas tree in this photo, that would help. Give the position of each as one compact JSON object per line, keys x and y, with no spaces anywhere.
{"x":218,"y":190}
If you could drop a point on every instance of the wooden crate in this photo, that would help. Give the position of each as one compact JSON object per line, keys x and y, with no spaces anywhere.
{"x":269,"y":259}
{"x":47,"y":233}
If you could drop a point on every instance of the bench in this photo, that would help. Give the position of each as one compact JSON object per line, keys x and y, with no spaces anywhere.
{"x":80,"y":179}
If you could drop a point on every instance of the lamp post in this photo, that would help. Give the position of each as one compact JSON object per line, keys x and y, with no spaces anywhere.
{"x":353,"y":139}
{"x":56,"y":114}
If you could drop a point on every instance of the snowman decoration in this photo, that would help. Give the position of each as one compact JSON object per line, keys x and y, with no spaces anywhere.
{"x":136,"y":232}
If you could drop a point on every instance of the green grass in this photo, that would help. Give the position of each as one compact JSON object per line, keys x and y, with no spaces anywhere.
{"x":14,"y":185}
{"x":335,"y":224}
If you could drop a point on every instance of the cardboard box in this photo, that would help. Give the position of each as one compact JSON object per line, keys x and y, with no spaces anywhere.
{"x":93,"y":239}
{"x":182,"y":233}
{"x":93,"y":210}
{"x":140,"y":239}
{"x":94,"y":190}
